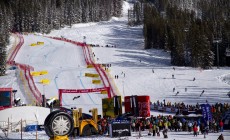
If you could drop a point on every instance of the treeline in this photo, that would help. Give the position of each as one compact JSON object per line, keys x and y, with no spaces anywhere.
{"x":4,"y":34}
{"x":44,"y":15}
{"x":191,"y":34}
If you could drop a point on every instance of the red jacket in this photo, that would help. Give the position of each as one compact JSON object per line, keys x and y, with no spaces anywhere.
{"x":221,"y":124}
{"x":195,"y":129}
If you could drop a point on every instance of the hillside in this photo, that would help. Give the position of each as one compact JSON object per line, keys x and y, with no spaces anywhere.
{"x":140,"y":72}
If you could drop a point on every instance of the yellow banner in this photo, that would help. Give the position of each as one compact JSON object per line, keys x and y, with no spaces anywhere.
{"x":91,"y":75}
{"x":104,"y":92}
{"x":89,"y":66}
{"x":35,"y":73}
{"x":96,"y":81}
{"x":45,"y":81}
{"x":38,"y":73}
{"x":40,"y":43}
{"x":43,"y":72}
{"x":33,"y":44}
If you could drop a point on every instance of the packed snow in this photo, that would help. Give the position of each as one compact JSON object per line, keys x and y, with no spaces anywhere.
{"x":140,"y":72}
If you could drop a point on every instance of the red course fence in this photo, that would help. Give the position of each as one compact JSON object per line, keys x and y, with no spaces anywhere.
{"x":26,"y":68}
{"x":89,"y":61}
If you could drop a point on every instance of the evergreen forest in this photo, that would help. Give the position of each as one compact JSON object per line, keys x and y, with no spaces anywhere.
{"x":191,"y":30}
{"x":195,"y":32}
{"x":44,"y":15}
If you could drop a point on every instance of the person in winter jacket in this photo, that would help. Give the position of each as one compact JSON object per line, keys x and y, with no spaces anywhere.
{"x":150,"y":129}
{"x":157,"y":131}
{"x":133,"y":126}
{"x":221,"y":137}
{"x":154,"y":129}
{"x":189,"y":126}
{"x":221,"y":126}
{"x":195,"y":129}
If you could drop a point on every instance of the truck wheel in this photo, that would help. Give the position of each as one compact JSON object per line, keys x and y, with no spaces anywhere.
{"x":61,"y":124}
{"x":89,"y":130}
{"x":51,"y":115}
{"x":86,"y":131}
{"x":47,"y":122}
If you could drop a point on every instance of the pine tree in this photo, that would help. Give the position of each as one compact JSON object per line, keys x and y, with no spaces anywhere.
{"x":4,"y":34}
{"x":207,"y":56}
{"x":44,"y":15}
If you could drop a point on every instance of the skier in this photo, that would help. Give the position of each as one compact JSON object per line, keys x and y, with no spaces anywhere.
{"x":202,"y":93}
{"x":185,"y":89}
{"x":194,"y":79}
{"x":174,"y":89}
{"x":152,"y":70}
{"x":228,"y":94}
{"x":172,"y":76}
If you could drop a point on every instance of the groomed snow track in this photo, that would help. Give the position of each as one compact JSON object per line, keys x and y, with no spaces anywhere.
{"x":26,"y":69}
{"x":89,"y":61}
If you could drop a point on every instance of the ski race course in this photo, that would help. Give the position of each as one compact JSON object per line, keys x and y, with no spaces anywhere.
{"x":62,"y":61}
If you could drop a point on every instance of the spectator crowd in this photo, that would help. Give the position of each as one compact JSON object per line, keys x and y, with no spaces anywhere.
{"x":160,"y":123}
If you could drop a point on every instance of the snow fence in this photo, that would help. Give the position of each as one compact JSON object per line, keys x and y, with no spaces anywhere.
{"x":26,"y":70}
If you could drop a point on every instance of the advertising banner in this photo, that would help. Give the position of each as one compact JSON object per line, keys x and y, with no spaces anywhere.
{"x":74,"y":91}
{"x":112,"y":106}
{"x":5,"y":97}
{"x":144,"y":106}
{"x":138,"y":105}
{"x":120,"y":128}
{"x":226,"y":119}
{"x":206,"y":112}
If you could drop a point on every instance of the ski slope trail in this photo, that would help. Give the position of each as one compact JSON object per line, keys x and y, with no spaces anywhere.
{"x":66,"y":69}
{"x":66,"y":66}
{"x":134,"y":65}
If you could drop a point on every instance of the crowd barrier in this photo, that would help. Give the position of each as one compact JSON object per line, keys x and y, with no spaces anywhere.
{"x":26,"y":69}
{"x":100,"y":69}
{"x":163,"y":109}
{"x":97,"y":67}
{"x":89,"y":61}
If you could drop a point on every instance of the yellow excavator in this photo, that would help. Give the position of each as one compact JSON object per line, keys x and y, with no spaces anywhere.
{"x":62,"y":123}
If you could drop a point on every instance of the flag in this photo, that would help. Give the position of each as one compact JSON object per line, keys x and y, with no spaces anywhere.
{"x":206,"y":112}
